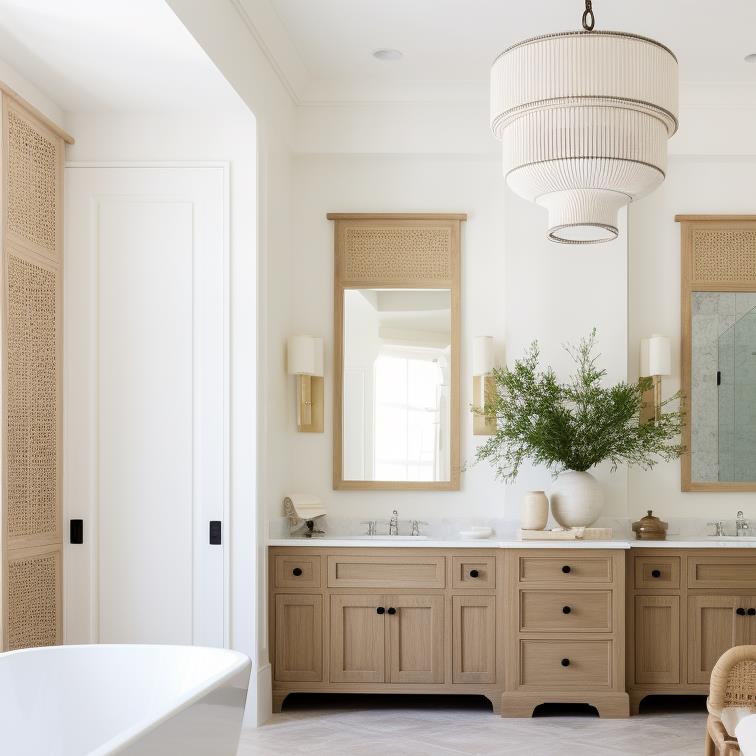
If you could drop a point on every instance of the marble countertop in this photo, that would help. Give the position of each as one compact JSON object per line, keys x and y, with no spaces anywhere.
{"x":673,"y":542}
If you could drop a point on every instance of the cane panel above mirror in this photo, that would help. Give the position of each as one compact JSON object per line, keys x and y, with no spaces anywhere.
{"x":396,"y":351}
{"x":718,"y":373}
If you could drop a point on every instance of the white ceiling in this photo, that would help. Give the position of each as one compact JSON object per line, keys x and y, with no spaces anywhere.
{"x":453,"y":41}
{"x":110,"y":55}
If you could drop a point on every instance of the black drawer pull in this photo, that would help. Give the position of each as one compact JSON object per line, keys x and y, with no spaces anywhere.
{"x":566,"y":569}
{"x":751,"y":612}
{"x":655,"y":573}
{"x":297,"y":571}
{"x":392,"y":610}
{"x":566,"y":609}
{"x":474,"y":573}
{"x":380,"y":610}
{"x":740,"y":611}
{"x":565,"y":662}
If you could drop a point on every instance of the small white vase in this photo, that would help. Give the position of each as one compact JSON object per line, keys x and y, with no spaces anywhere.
{"x":535,"y":511}
{"x":576,"y":499}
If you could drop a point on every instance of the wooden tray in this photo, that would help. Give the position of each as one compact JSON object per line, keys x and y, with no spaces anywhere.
{"x":573,"y":534}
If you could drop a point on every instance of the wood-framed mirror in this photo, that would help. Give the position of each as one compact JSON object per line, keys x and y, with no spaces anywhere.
{"x":396,"y":351}
{"x":718,"y":355}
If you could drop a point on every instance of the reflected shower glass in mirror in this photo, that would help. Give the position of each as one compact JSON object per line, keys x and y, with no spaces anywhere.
{"x":723,"y":386}
{"x":396,"y":384}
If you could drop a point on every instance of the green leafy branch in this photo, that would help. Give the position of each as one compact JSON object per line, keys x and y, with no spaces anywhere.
{"x":574,"y":425}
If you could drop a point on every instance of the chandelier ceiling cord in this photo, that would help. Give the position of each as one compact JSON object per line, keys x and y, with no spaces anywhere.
{"x":584,"y":118}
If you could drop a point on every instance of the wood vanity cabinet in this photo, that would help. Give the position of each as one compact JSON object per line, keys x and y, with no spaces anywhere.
{"x":384,"y":620}
{"x":565,"y":636}
{"x":522,"y":627}
{"x":685,"y":608}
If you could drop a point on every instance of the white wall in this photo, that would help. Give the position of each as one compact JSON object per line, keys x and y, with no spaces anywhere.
{"x":235,"y":48}
{"x":31,"y":93}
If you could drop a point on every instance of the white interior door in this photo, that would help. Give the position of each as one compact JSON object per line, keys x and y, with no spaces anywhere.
{"x":146,"y":403}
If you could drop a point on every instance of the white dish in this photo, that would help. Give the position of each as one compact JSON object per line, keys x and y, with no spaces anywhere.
{"x":476,"y":534}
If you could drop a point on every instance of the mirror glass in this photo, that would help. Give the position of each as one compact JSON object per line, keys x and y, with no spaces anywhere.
{"x":396,"y":384}
{"x":723,"y":386}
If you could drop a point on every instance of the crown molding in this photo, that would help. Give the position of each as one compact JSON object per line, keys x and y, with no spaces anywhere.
{"x":274,"y":42}
{"x":360,"y":93}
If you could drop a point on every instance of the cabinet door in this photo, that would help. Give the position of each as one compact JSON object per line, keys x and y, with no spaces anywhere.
{"x":747,"y":636}
{"x":416,"y":638}
{"x":473,"y":639}
{"x":358,"y":639}
{"x":299,"y":638}
{"x":657,"y":639}
{"x":713,"y":627}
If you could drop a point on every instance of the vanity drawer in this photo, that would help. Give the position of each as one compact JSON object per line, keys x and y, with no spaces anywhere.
{"x":297,"y":571}
{"x":657,"y":572}
{"x":473,"y":572}
{"x":722,"y":571}
{"x":556,"y":664}
{"x":568,"y":569}
{"x":566,"y":611}
{"x":386,"y":572}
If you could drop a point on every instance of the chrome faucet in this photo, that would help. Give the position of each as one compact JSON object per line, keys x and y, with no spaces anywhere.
{"x":394,"y":524}
{"x":415,"y":527}
{"x":742,"y":526}
{"x":718,"y":526}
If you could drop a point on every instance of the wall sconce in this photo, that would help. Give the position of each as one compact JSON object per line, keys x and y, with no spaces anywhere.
{"x":484,"y":386}
{"x":656,"y":361}
{"x":304,"y":358}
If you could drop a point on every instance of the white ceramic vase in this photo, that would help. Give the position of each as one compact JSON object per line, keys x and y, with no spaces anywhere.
{"x":535,"y":511}
{"x":576,"y":499}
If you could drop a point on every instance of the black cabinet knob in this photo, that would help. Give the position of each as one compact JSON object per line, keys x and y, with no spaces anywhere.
{"x":297,"y":571}
{"x":655,"y":573}
{"x":380,"y":610}
{"x":392,"y":610}
{"x":566,"y":569}
{"x":565,"y":662}
{"x":740,"y":611}
{"x":474,"y":573}
{"x":566,"y":609}
{"x":751,"y":612}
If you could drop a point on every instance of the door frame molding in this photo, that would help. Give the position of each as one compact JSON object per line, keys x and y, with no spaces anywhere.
{"x":94,"y":593}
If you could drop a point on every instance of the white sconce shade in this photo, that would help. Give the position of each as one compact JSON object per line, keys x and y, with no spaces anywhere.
{"x":655,"y":361}
{"x":483,"y":355}
{"x":656,"y":356}
{"x":304,"y":355}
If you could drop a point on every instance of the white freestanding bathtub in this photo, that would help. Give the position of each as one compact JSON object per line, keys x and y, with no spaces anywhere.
{"x":135,"y":700}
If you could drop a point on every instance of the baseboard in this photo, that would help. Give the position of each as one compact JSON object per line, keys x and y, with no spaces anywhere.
{"x":260,"y":709}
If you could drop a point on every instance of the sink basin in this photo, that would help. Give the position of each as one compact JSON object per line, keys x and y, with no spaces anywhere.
{"x":733,"y":538}
{"x":382,"y":538}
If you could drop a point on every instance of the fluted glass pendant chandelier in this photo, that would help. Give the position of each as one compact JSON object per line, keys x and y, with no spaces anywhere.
{"x":584,"y":118}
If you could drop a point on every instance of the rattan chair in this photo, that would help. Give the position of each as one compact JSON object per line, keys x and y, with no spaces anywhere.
{"x":733,"y":684}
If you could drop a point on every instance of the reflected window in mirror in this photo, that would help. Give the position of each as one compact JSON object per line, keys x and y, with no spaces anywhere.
{"x":397,"y":366}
